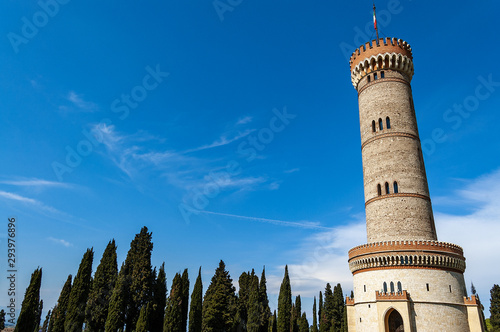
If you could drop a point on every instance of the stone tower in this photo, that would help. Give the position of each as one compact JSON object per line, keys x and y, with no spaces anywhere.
{"x":404,"y":279}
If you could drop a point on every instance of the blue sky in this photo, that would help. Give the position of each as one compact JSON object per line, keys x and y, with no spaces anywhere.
{"x":243,"y":111}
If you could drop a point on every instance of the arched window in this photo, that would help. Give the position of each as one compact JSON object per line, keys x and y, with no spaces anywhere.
{"x":392,"y":287}
{"x":379,"y":189}
{"x":386,"y":188}
{"x":375,"y":76}
{"x":369,"y":78}
{"x":382,"y":75}
{"x":385,"y":287}
{"x":380,"y":124}
{"x":400,"y":288}
{"x":396,"y":189}
{"x":374,"y":129}
{"x":388,"y":123}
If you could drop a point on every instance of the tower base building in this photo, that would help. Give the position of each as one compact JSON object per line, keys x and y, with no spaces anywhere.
{"x":404,"y":278}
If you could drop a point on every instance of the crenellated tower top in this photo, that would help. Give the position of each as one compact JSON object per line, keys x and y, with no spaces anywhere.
{"x":388,"y":53}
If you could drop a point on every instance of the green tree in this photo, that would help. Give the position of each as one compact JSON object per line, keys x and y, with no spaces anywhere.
{"x":327,"y":312}
{"x":315,"y":319}
{"x":173,"y":311}
{"x":338,"y":309}
{"x":102,"y":287}
{"x":185,"y":299}
{"x":273,"y":323}
{"x":284,"y":304}
{"x":296,"y":314}
{"x":264,"y":300}
{"x":220,"y":303}
{"x":243,"y":296}
{"x":45,"y":325}
{"x":2,"y":319}
{"x":140,"y":277}
{"x":38,"y":316}
{"x":320,"y":310}
{"x":303,"y":323}
{"x":254,"y":306}
{"x":159,"y":301}
{"x":143,"y":320}
{"x":195,"y":310}
{"x":26,"y":321}
{"x":58,"y":316}
{"x":117,"y":303}
{"x":75,"y":313}
{"x":495,"y":308}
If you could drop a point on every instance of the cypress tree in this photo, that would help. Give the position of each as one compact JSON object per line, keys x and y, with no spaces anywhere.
{"x":75,"y":313}
{"x":296,"y":314}
{"x":320,"y":309}
{"x":195,"y":310}
{"x":173,"y":311}
{"x":185,"y":299}
{"x":264,"y":301}
{"x":243,"y":296}
{"x":315,"y":319}
{"x":102,"y":287}
{"x":2,"y":319}
{"x":26,"y":321}
{"x":220,"y":303}
{"x":284,"y":304}
{"x":254,"y":306}
{"x":143,"y":320}
{"x":56,"y":323}
{"x":495,"y":308}
{"x":273,"y":323}
{"x":38,"y":316}
{"x":117,"y":303}
{"x":140,"y":277}
{"x":327,"y":312}
{"x":338,"y":309}
{"x":45,"y":325}
{"x":159,"y":301}
{"x":303,"y":323}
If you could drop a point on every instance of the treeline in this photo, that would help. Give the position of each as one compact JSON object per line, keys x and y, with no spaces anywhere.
{"x":135,"y":298}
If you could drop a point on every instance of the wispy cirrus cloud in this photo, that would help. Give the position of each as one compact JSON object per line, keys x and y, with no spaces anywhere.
{"x":33,"y":203}
{"x":78,"y":101}
{"x":60,"y":241}
{"x":298,"y":224}
{"x":221,"y":141}
{"x":244,"y":120}
{"x":34,"y":182}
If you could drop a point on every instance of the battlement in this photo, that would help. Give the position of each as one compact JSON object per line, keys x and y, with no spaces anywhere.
{"x":389,"y":53}
{"x":394,"y":296}
{"x":384,"y":45}
{"x":472,"y":300}
{"x":349,"y":300}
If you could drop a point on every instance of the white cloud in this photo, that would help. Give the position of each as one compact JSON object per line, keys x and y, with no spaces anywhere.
{"x":60,"y":241}
{"x":221,"y":141}
{"x":244,"y":120}
{"x":293,"y":170}
{"x":33,"y":182}
{"x":79,"y":102}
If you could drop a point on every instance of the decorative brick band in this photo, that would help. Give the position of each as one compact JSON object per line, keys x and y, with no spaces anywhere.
{"x":407,"y":267}
{"x":427,"y":198}
{"x":385,"y":79}
{"x":403,"y":258}
{"x":411,"y":245}
{"x":394,"y":134}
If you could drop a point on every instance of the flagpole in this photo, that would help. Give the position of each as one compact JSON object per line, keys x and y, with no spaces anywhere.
{"x":375,"y":21}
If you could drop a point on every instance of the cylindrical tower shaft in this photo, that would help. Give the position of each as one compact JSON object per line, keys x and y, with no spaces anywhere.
{"x":397,"y":198}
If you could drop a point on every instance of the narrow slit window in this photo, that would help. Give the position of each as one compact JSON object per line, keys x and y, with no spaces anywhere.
{"x":364,"y":287}
{"x":427,"y":286}
{"x":382,"y":74}
{"x":386,"y":188}
{"x":396,"y":189}
{"x":380,"y":124}
{"x":450,"y":288}
{"x":388,"y":123}
{"x":379,"y":189}
{"x":374,"y":128}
